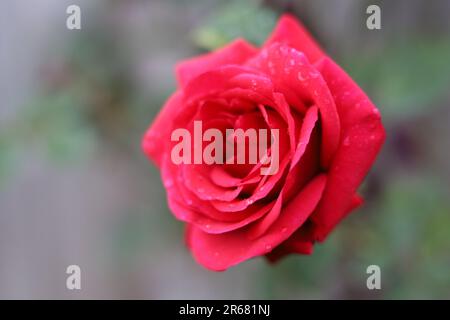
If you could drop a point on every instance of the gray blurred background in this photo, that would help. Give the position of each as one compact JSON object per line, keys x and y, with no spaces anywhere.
{"x":75,"y":187}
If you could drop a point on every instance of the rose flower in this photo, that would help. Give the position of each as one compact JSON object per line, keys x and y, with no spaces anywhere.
{"x":329,"y":135}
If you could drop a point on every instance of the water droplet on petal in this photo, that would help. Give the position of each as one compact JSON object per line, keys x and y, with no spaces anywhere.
{"x":168,"y":183}
{"x":284,"y":49}
{"x":300,"y":77}
{"x":346,"y":141}
{"x":284,"y":230}
{"x":264,"y":53}
{"x":314,"y":74}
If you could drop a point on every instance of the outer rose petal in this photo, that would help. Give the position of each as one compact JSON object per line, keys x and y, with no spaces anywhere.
{"x":289,"y":69}
{"x":231,"y":81}
{"x":209,"y":225}
{"x":221,"y":251}
{"x":237,"y":52}
{"x":291,"y":32}
{"x":362,"y":137}
{"x":302,"y":241}
{"x":289,"y":247}
{"x":158,"y":134}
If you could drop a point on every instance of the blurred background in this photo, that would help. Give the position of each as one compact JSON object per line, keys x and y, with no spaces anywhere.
{"x":75,"y":187}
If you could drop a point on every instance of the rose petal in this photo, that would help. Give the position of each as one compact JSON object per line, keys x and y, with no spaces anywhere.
{"x":261,"y":226}
{"x":362,"y":137}
{"x":289,"y":72}
{"x":219,"y":252}
{"x":237,"y":52}
{"x":231,"y":82}
{"x":290,"y":31}
{"x":288,"y":247}
{"x":264,"y":223}
{"x":262,"y":190}
{"x":208,"y":225}
{"x":309,"y":122}
{"x":204,"y":188}
{"x":222,"y":178}
{"x":159,"y":132}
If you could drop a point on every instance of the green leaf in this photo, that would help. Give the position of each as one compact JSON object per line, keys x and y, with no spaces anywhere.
{"x":246,"y":19}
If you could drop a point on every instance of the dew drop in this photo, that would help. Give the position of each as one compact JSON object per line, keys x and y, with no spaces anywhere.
{"x":300,"y":77}
{"x":150,"y":144}
{"x":346,"y":141}
{"x":168,"y":183}
{"x":314,"y":74}
{"x":264,"y":53}
{"x":284,"y":230}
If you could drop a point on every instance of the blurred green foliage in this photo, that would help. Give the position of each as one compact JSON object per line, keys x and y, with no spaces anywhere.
{"x":404,"y":78}
{"x":8,"y":156}
{"x":246,"y":19}
{"x":56,"y":120}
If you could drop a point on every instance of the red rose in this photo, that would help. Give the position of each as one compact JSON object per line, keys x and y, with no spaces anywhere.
{"x":330,"y":133}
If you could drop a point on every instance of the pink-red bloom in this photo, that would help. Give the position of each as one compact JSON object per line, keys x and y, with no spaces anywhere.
{"x":330,"y":134}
